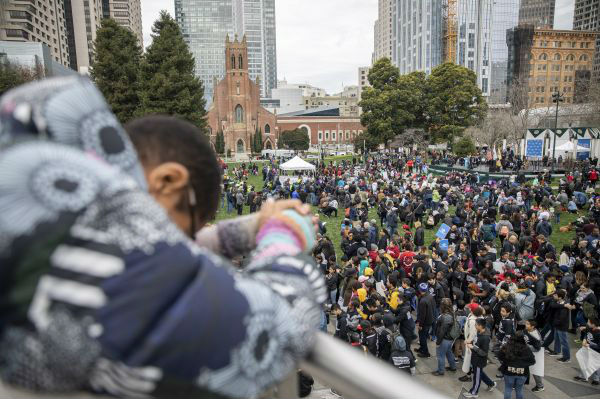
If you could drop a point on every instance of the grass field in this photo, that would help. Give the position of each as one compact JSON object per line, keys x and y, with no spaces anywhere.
{"x":333,"y":224}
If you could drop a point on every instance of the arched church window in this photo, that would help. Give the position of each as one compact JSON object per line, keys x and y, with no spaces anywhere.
{"x":239,"y":114}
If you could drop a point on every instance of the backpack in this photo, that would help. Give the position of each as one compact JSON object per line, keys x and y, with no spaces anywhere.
{"x":488,"y":234}
{"x":589,"y":311}
{"x":455,"y":331}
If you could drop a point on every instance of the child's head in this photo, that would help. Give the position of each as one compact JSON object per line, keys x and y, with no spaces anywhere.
{"x":480,"y":325}
{"x":181,"y":169}
{"x":505,"y":310}
{"x":593,"y":322}
{"x":336,"y":309}
{"x":530,"y":325}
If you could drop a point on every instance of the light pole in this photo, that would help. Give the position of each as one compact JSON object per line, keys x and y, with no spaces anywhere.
{"x":557,"y":98}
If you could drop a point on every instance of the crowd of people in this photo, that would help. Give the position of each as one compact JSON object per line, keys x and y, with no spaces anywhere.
{"x":495,"y":282}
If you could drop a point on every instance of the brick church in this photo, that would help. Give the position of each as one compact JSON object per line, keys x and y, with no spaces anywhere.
{"x":236,"y":109}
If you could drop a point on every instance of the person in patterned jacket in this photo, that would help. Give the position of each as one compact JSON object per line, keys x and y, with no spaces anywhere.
{"x":100,"y":290}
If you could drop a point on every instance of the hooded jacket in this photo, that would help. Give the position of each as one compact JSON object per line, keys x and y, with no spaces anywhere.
{"x":481,"y":347}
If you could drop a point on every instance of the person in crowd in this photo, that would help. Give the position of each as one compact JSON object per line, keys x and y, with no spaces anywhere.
{"x":592,"y":341}
{"x":445,"y":340}
{"x":479,"y":346}
{"x":425,"y":318}
{"x":533,"y":339}
{"x":515,"y":357}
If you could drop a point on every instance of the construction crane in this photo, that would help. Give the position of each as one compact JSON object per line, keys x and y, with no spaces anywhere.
{"x":450,"y":26}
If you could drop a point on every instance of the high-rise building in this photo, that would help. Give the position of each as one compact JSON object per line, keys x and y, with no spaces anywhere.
{"x":418,"y":35}
{"x":83,"y":19}
{"x":505,"y":17}
{"x":42,"y":21}
{"x":587,"y":17}
{"x":384,"y":43}
{"x":474,"y":42}
{"x":544,"y":61}
{"x":206,"y":23}
{"x":539,"y":13}
{"x":256,"y":20}
{"x":127,"y":13}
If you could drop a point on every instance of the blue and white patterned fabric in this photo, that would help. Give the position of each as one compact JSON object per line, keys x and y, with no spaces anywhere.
{"x":100,"y":290}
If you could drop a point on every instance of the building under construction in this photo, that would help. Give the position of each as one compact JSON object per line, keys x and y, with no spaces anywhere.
{"x":450,"y":30}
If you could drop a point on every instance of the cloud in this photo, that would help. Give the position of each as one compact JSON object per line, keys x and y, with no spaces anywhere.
{"x":150,"y":11}
{"x":563,"y":14}
{"x":321,"y":42}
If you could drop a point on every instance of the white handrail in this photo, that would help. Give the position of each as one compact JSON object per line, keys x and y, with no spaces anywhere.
{"x":357,"y":376}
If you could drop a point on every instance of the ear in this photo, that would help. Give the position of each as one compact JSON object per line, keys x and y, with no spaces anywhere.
{"x":167,"y":181}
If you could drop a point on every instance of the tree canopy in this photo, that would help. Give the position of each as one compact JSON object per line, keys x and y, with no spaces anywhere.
{"x":13,"y":75}
{"x":444,"y":103}
{"x":168,"y":84}
{"x":463,"y":147}
{"x":116,"y":68}
{"x":296,"y":139}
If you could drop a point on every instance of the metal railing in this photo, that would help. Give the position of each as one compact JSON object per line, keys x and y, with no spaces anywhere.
{"x":354,"y":375}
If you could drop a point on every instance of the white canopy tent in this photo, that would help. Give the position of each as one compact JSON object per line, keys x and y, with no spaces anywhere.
{"x":297,"y":163}
{"x":568,"y":146}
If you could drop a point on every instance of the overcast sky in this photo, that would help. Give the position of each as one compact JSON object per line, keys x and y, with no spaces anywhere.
{"x":323,"y":42}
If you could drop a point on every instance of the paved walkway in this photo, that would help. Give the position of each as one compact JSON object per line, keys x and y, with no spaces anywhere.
{"x":558,"y":380}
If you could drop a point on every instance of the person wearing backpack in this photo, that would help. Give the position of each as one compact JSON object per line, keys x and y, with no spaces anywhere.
{"x":447,"y":332}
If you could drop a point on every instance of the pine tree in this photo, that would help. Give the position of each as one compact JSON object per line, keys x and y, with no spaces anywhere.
{"x":220,"y":143}
{"x":116,"y":68}
{"x":168,"y":84}
{"x":259,"y":141}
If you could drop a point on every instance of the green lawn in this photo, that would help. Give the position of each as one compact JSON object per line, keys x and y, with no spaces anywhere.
{"x":333,"y":224}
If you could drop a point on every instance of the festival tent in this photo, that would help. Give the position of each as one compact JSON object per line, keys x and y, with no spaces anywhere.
{"x":568,"y":146}
{"x":297,"y":163}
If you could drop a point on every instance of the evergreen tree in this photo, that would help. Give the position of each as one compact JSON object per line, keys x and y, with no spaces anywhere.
{"x":116,"y":68}
{"x":220,"y":143}
{"x":168,"y":84}
{"x":259,"y":141}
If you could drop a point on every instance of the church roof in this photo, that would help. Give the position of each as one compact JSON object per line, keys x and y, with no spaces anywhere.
{"x":321,"y":111}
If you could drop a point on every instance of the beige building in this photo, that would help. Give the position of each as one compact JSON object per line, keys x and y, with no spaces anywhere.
{"x":41,"y":21}
{"x":549,"y":60}
{"x":346,"y":101}
{"x":127,"y":13}
{"x":383,"y":31}
{"x":86,"y":16}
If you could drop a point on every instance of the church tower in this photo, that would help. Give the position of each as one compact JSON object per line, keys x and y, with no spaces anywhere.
{"x":236,"y":109}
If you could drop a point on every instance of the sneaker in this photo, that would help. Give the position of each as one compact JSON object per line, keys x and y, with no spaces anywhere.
{"x":548,"y":350}
{"x":437,"y":374}
{"x":331,"y":391}
{"x":451,"y":369}
{"x":470,"y":395}
{"x":537,"y":389}
{"x":492,"y":387}
{"x":580,"y":379}
{"x":554,"y":354}
{"x":465,"y":378}
{"x":577,"y":341}
{"x":595,"y":383}
{"x":423,"y":355}
{"x":499,"y":375}
{"x":563,"y":360}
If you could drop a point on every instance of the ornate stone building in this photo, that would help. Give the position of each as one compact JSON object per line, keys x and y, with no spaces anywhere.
{"x":236,"y":109}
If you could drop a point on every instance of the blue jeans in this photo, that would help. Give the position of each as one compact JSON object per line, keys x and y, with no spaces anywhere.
{"x":514,"y":382}
{"x":445,"y":351}
{"x":229,"y":207}
{"x":561,"y":342}
{"x":332,"y":295}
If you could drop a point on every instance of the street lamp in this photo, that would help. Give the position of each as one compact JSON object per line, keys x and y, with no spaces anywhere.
{"x":557,"y":98}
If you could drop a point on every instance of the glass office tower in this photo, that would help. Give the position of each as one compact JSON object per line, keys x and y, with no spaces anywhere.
{"x":505,"y":17}
{"x":206,"y":23}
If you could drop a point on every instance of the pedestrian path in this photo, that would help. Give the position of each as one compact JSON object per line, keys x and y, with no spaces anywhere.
{"x":558,"y":381}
